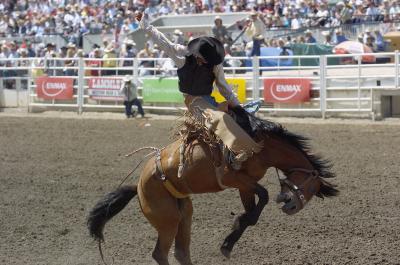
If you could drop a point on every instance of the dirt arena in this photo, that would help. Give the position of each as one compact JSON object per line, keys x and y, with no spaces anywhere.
{"x":53,"y":170}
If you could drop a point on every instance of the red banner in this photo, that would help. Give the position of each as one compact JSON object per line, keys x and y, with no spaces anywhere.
{"x":54,"y":87}
{"x":103,"y":88}
{"x":282,"y":90}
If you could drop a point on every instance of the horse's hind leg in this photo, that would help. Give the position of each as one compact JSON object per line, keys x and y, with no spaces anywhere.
{"x":163,"y":213}
{"x":182,"y":239}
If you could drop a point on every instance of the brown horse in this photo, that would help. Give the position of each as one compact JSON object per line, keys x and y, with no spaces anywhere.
{"x":164,"y":199}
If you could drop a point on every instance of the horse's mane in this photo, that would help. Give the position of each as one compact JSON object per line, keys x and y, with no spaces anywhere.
{"x":261,"y":127}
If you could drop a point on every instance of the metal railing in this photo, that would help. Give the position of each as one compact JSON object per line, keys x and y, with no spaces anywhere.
{"x":349,"y":86}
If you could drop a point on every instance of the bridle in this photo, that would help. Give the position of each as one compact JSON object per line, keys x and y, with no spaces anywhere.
{"x":298,"y":190}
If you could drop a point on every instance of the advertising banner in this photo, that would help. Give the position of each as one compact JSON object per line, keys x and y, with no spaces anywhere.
{"x":281,"y":90}
{"x":162,"y":90}
{"x":103,"y":88}
{"x":54,"y":87}
{"x":238,"y":86}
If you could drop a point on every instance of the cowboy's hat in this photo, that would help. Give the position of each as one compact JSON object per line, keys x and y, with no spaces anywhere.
{"x":209,"y":48}
{"x":177,"y":32}
{"x":253,"y":13}
{"x":129,"y":42}
{"x":109,"y":48}
{"x":71,"y":45}
{"x":127,"y":78}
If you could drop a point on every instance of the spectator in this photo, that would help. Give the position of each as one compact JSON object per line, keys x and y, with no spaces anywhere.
{"x":146,"y":52}
{"x":394,"y":10}
{"x":371,"y":43}
{"x":373,"y":13}
{"x":95,"y":64}
{"x":309,"y":37}
{"x":128,"y":52}
{"x":322,"y":15}
{"x":328,"y":38}
{"x":51,"y":63}
{"x":177,"y":37}
{"x":367,"y":34}
{"x":358,"y":15}
{"x":109,"y":60}
{"x":70,"y":62}
{"x":13,"y":54}
{"x":50,"y":47}
{"x":165,"y":8}
{"x":3,"y":56}
{"x":295,"y":22}
{"x":219,"y":31}
{"x":340,"y":37}
{"x":360,"y":38}
{"x":343,"y":13}
{"x":129,"y":91}
{"x":379,"y":41}
{"x":256,"y":30}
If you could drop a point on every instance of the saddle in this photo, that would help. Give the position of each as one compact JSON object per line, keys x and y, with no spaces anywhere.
{"x":192,"y":129}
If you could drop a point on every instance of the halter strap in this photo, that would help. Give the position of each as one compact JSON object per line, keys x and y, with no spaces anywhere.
{"x":312,"y":173}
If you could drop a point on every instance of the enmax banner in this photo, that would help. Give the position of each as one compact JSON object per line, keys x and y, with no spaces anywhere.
{"x":103,"y":88}
{"x":54,"y":88}
{"x":282,"y":90}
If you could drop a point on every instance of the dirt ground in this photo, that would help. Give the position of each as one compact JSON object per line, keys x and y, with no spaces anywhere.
{"x":52,"y":171}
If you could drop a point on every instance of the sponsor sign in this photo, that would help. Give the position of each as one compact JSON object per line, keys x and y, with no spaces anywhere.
{"x":103,"y":88}
{"x":238,"y":86}
{"x":54,"y":87}
{"x":164,"y":90}
{"x":281,"y":90}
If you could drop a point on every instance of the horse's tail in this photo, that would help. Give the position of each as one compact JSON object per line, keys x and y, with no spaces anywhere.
{"x":109,"y":206}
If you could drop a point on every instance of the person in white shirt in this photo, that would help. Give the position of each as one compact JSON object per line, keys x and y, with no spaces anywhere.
{"x":256,"y":30}
{"x":129,"y":91}
{"x":199,"y":66}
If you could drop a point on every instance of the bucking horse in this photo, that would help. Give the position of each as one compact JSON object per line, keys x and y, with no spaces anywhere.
{"x":195,"y":164}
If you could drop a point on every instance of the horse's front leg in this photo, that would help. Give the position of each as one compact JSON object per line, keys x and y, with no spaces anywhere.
{"x":249,"y":218}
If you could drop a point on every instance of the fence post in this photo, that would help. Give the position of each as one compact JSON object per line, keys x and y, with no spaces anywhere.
{"x":135,"y":70}
{"x":256,"y":77}
{"x":29,"y":99}
{"x":359,"y":58}
{"x":81,"y":73}
{"x":396,"y":66}
{"x":322,"y":84}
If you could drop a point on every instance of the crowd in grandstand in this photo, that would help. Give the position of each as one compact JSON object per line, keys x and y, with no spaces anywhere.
{"x":76,"y":17}
{"x":73,"y":19}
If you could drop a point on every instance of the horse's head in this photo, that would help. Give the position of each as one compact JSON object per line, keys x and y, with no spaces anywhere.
{"x":298,"y":186}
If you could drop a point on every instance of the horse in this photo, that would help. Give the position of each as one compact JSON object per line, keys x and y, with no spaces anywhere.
{"x":165,"y":185}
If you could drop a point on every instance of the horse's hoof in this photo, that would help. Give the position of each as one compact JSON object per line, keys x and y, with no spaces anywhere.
{"x":226,"y":252}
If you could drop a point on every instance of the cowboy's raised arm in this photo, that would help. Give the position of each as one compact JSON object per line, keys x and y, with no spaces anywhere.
{"x":223,"y":87}
{"x":176,"y":52}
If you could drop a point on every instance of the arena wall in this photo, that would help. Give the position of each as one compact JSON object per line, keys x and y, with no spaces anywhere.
{"x":362,"y":90}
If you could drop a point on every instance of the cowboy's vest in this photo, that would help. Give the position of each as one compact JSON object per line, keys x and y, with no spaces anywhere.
{"x":194,"y":79}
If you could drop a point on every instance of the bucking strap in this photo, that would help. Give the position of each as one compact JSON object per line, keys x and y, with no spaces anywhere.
{"x":167,"y":184}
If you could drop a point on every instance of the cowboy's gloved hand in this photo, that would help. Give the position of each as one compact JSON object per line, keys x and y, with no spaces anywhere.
{"x":143,"y":20}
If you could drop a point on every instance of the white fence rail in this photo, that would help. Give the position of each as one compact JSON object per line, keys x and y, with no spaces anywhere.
{"x":347,"y":86}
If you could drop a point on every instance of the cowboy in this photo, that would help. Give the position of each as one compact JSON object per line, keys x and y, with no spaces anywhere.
{"x":199,"y":66}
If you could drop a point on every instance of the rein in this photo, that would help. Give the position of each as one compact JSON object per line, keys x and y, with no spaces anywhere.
{"x":312,"y":174}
